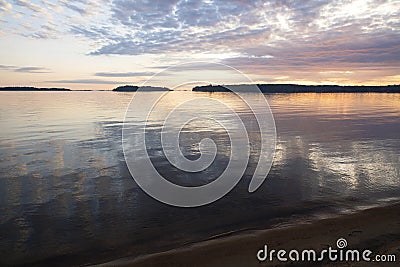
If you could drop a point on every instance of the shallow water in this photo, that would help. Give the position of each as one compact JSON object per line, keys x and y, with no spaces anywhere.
{"x":66,"y":193}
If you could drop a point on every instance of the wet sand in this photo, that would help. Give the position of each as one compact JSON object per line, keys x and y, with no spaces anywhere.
{"x":376,"y":229}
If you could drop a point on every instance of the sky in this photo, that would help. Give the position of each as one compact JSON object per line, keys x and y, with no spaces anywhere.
{"x":88,"y":44}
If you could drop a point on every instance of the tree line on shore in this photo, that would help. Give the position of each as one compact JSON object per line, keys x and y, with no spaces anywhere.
{"x":264,"y":88}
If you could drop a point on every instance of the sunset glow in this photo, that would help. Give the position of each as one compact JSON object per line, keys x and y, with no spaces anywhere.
{"x":102,"y":44}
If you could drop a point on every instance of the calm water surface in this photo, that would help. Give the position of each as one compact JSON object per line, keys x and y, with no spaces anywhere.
{"x":66,"y":195}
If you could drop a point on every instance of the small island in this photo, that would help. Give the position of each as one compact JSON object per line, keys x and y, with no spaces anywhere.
{"x":297,"y":88}
{"x":134,"y":88}
{"x":27,"y":88}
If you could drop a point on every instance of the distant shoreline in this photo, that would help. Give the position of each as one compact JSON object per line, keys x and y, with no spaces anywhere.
{"x":296,"y":88}
{"x":264,"y":88}
{"x":27,"y":88}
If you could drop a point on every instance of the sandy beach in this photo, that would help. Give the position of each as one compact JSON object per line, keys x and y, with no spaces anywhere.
{"x":375,"y":229}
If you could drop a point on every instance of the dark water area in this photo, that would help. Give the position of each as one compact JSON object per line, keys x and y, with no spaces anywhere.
{"x":67,"y":197}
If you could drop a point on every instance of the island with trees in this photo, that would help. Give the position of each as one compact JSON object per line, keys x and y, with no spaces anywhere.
{"x":134,"y":88}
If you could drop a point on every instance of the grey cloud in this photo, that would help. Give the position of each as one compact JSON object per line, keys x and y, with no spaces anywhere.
{"x":80,"y":10}
{"x":174,"y":41}
{"x":195,"y":26}
{"x":84,"y":8}
{"x":101,"y":33}
{"x":123,"y":74}
{"x":121,"y":48}
{"x":92,"y":34}
{"x":32,"y":70}
{"x":5,"y":6}
{"x":160,"y":26}
{"x":88,"y":81}
{"x":195,"y":13}
{"x":47,"y":31}
{"x":24,"y":69}
{"x":7,"y":67}
{"x":174,"y":25}
{"x":325,"y":53}
{"x":31,"y":6}
{"x":144,"y":12}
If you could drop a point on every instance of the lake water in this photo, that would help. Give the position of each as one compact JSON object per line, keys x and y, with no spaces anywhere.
{"x":67,"y":197}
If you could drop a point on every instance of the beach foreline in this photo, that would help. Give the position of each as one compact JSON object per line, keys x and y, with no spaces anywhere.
{"x":377,"y":229}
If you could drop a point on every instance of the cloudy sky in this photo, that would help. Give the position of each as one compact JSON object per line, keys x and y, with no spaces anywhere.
{"x":89,"y":44}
